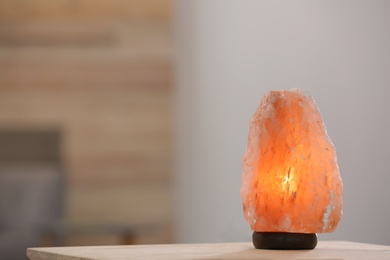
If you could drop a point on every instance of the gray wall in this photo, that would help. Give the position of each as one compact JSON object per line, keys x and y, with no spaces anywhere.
{"x":229,"y":53}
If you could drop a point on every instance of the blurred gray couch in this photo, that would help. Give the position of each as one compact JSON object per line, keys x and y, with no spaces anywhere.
{"x":31,"y":189}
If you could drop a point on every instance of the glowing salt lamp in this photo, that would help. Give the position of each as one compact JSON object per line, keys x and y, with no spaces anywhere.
{"x":291,"y":185}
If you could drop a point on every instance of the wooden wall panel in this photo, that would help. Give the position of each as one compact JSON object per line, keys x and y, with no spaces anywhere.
{"x":103,"y":10}
{"x":101,"y":72}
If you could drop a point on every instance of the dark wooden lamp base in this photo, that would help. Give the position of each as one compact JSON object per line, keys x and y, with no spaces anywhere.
{"x":284,"y":240}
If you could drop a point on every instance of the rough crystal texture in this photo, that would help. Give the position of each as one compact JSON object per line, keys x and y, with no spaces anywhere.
{"x":291,"y":181}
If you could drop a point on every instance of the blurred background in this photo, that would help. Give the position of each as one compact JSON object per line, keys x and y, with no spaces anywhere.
{"x":125,"y":122}
{"x":86,"y":101}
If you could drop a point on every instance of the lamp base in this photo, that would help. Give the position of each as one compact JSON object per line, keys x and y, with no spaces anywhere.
{"x":284,"y":240}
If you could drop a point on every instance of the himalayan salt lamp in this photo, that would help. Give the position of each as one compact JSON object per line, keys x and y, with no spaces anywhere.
{"x":291,"y":185}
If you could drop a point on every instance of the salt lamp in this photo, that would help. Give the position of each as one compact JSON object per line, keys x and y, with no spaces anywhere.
{"x":291,"y":184}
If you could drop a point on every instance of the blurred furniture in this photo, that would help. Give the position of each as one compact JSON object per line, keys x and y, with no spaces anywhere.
{"x":31,"y":188}
{"x":325,"y":250}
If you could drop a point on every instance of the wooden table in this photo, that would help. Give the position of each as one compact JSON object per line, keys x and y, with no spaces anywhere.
{"x":324,"y":250}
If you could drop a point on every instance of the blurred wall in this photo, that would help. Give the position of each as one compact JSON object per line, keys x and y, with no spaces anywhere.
{"x":230,"y":53}
{"x":100,"y":72}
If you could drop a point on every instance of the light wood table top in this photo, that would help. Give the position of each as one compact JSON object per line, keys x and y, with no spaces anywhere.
{"x":324,"y":250}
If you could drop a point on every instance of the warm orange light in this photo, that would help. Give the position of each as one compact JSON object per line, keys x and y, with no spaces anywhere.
{"x":291,"y":181}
